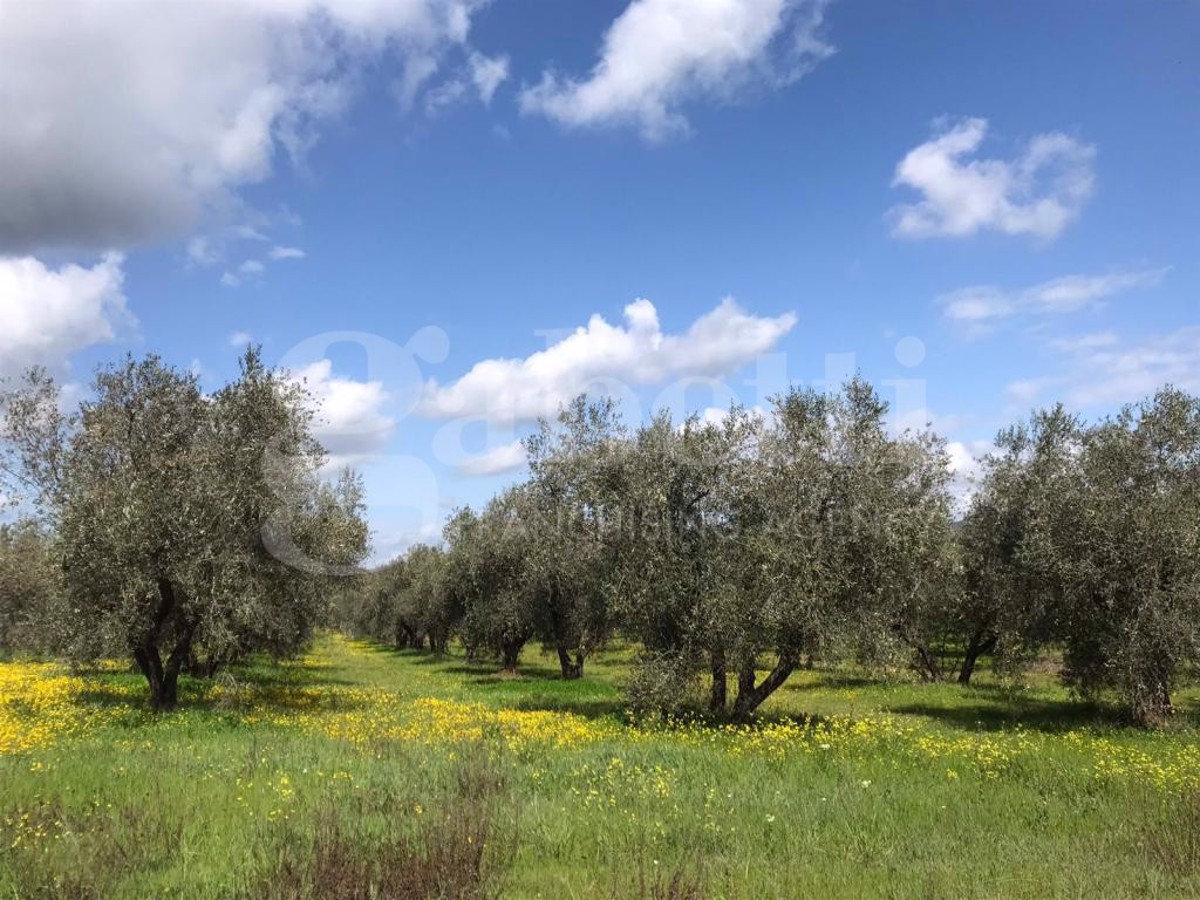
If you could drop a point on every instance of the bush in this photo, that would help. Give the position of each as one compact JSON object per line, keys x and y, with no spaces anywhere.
{"x":664,"y":684}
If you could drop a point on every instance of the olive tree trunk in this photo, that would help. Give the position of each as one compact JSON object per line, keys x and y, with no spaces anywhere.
{"x":718,"y":694}
{"x":978,"y":645}
{"x":571,"y":668}
{"x":169,"y":626}
{"x":750,"y":696}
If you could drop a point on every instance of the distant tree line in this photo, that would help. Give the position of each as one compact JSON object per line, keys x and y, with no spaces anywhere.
{"x":150,"y":510}
{"x":740,"y":550}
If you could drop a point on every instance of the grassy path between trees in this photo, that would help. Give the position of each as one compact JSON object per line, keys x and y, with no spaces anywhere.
{"x":358,"y":765}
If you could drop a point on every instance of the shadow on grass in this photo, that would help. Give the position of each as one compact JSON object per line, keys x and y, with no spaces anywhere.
{"x":809,"y":680}
{"x":589,"y":709}
{"x":1048,"y":716}
{"x":259,"y":686}
{"x":984,"y":705}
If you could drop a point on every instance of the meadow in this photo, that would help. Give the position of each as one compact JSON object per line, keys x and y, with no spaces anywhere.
{"x":360,"y":771}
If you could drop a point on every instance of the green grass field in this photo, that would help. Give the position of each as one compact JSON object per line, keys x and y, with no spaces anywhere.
{"x":360,"y":769}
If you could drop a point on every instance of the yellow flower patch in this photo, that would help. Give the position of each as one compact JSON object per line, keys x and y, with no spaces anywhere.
{"x":43,"y":704}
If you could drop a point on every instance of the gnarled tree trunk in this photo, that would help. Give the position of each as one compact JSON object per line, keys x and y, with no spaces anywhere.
{"x":571,"y":668}
{"x":510,"y":652}
{"x":978,"y":645}
{"x":750,"y":696}
{"x":169,"y":625}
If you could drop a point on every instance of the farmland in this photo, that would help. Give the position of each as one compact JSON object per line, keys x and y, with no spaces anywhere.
{"x":307,"y":778}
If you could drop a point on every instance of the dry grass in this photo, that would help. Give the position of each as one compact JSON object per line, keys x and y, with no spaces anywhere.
{"x":454,"y":854}
{"x":1171,"y":837}
{"x":679,"y":885}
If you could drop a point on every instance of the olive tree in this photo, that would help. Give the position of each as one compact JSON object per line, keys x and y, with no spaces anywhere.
{"x":489,"y":562}
{"x":30,"y":593}
{"x":165,"y":501}
{"x":378,"y":612}
{"x":428,"y":602}
{"x":1011,"y":587}
{"x":841,"y":529}
{"x":669,"y":578}
{"x":571,"y":510}
{"x":407,"y":601}
{"x":1125,"y":545}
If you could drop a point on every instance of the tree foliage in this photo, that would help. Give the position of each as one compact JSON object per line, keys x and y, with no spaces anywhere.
{"x":1125,"y":547}
{"x":166,"y":503}
{"x":29,"y":586}
{"x":1011,"y":589}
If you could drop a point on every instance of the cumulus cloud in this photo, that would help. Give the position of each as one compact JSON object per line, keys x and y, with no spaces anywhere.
{"x":278,"y":253}
{"x":1102,"y":370}
{"x":48,"y":314}
{"x":1040,"y":192}
{"x":353,"y":421}
{"x":127,"y":121}
{"x":240,"y":339}
{"x":601,"y":356}
{"x":660,"y":54}
{"x":981,"y":306}
{"x":495,"y":461}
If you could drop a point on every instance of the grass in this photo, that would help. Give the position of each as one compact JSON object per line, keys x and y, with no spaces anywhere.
{"x":365,"y":772}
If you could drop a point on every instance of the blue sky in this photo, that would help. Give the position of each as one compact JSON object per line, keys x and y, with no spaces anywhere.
{"x":985,"y":207}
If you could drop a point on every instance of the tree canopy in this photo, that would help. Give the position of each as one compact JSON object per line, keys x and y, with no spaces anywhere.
{"x":164,"y":500}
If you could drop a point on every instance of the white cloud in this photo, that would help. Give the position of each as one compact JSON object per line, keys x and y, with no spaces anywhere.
{"x":600,"y":356}
{"x":394,"y":541}
{"x":446,"y":95}
{"x":1084,"y":342}
{"x":201,"y":252}
{"x":48,"y":314}
{"x":240,"y":339}
{"x":963,"y":460}
{"x":481,"y":75}
{"x":980,"y":306}
{"x":218,"y":244}
{"x":660,"y":54}
{"x":495,"y":461}
{"x":1025,"y":391}
{"x":1128,"y":372}
{"x":249,"y":267}
{"x":246,"y":233}
{"x":1099,"y":371}
{"x":922,"y":418}
{"x":1040,"y":192}
{"x":352,"y":422}
{"x":127,"y":121}
{"x":487,"y":74}
{"x":717,"y":415}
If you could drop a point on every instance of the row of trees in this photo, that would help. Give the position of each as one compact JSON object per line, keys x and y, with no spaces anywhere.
{"x":187,"y":530}
{"x":167,"y":524}
{"x":744,"y":548}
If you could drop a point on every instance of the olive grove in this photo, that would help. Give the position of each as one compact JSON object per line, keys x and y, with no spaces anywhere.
{"x":735,"y":551}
